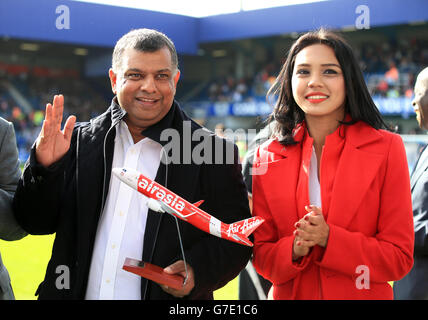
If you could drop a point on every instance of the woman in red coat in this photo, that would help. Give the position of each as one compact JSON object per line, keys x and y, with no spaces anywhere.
{"x":332,"y":185}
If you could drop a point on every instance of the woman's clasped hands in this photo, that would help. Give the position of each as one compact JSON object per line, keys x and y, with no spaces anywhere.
{"x":311,"y":230}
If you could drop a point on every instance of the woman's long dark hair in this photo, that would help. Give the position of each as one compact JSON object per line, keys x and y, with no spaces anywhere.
{"x":358,"y":102}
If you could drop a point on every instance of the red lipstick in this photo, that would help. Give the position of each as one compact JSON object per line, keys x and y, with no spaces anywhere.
{"x":316,"y":97}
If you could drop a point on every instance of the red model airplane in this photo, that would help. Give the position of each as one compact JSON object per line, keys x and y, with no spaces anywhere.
{"x":163,"y":200}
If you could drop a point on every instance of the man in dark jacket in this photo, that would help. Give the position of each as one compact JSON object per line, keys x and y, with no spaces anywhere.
{"x":67,"y":187}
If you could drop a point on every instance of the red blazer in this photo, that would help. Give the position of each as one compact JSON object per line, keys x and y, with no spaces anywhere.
{"x":367,"y":206}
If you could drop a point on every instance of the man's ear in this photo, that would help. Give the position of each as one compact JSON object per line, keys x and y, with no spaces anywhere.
{"x":113,"y":79}
{"x":176,"y":77}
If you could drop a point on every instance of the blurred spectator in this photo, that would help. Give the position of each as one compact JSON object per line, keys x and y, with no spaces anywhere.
{"x":219,"y":130}
{"x":240,"y":91}
{"x":382,"y":88}
{"x":389,"y":67}
{"x":391,"y":75}
{"x":38,"y":87}
{"x":214,"y":91}
{"x":393,"y":92}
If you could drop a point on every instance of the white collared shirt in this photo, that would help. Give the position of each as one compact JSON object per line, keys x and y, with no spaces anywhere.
{"x":121,"y":227}
{"x":314,"y":183}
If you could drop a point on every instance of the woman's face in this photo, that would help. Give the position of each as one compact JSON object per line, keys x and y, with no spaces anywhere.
{"x":317,"y":83}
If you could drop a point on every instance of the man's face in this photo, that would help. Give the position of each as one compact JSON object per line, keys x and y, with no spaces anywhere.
{"x":420,"y":102}
{"x":145,"y":86}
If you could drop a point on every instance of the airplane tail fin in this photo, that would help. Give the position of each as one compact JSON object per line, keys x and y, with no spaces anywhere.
{"x":197,"y":204}
{"x":240,"y":230}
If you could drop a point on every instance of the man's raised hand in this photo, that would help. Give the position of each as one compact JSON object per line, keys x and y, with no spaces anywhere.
{"x":52,"y":143}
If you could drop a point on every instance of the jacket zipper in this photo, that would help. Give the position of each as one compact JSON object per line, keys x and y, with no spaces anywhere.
{"x":105,"y":168}
{"x":76,"y":264}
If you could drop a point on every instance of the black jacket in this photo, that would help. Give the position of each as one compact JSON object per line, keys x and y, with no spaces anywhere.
{"x":68,"y":198}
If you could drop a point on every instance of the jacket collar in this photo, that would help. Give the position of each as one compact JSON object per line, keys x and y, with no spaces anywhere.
{"x":420,"y":167}
{"x":361,"y":134}
{"x":117,"y":113}
{"x":357,"y":135}
{"x":279,"y":149}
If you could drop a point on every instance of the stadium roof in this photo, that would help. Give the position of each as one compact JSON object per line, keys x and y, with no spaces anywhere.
{"x":199,"y":9}
{"x":89,"y":24}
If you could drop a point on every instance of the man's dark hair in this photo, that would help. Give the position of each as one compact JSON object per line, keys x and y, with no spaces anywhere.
{"x":358,"y":102}
{"x":144,"y":40}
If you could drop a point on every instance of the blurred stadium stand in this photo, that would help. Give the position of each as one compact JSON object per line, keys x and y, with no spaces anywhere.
{"x":227,"y":61}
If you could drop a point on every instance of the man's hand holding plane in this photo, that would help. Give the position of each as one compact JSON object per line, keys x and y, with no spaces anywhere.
{"x":178,"y":268}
